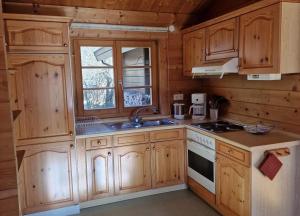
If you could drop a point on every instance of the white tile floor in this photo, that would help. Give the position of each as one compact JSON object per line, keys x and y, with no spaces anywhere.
{"x":178,"y":203}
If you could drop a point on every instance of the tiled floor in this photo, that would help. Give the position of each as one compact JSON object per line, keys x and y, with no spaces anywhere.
{"x":178,"y":203}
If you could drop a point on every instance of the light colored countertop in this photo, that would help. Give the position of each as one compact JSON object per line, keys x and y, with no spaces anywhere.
{"x":240,"y":139}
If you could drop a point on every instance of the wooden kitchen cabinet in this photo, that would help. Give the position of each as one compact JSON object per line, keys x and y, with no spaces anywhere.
{"x":259,"y":41}
{"x":41,"y":89}
{"x":100,"y":181}
{"x":167,"y":163}
{"x":193,"y":50}
{"x":45,"y":36}
{"x":47,"y":176}
{"x":222,"y":40}
{"x":232,"y":187}
{"x":132,"y":168}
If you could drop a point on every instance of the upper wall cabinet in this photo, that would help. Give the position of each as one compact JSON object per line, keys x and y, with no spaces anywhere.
{"x":222,"y":40}
{"x":193,"y":50}
{"x":40,"y":87}
{"x":259,"y":41}
{"x":36,"y":36}
{"x":265,"y":36}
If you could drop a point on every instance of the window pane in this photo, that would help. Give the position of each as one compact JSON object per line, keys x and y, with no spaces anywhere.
{"x":96,"y":56}
{"x":136,"y":56}
{"x":135,"y":77}
{"x":137,"y":97}
{"x":97,"y":78}
{"x":99,"y":99}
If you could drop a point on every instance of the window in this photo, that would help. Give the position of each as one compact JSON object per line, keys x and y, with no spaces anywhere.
{"x":114,"y":77}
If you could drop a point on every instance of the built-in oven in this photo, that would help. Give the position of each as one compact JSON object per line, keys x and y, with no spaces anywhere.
{"x":201,"y":157}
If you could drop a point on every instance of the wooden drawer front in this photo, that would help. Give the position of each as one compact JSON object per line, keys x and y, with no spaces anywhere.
{"x":131,"y":138}
{"x":99,"y":142}
{"x":234,"y":153}
{"x":166,"y":135}
{"x":36,"y":36}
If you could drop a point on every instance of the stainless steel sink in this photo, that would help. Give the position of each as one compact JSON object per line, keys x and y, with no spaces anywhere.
{"x":147,"y":123}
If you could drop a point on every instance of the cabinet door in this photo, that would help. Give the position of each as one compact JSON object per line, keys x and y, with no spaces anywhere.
{"x":132,"y":168}
{"x":41,"y":88}
{"x":259,"y":41}
{"x":99,"y":173}
{"x":233,"y":187}
{"x":193,"y":50}
{"x":222,"y":40}
{"x":167,"y":163}
{"x":47,"y":177}
{"x":37,"y":36}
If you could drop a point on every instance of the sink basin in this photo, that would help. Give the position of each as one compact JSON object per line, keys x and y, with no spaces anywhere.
{"x":147,"y":123}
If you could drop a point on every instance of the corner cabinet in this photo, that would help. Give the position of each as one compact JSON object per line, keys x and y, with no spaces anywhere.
{"x":222,"y":40}
{"x":48,"y":177}
{"x":233,"y":180}
{"x":41,"y":89}
{"x":259,"y":41}
{"x":193,"y":50}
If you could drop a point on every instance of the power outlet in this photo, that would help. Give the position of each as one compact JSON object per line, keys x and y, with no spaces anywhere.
{"x":177,"y":97}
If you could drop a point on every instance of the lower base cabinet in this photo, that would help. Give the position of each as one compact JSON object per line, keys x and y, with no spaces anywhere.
{"x":167,"y":163}
{"x":233,"y":187}
{"x":47,"y":177}
{"x":100,"y":182}
{"x":132,"y":168}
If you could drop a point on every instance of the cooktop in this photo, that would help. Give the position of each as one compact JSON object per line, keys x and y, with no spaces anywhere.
{"x":219,"y":126}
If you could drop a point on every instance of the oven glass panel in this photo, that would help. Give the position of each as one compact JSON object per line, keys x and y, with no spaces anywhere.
{"x":201,"y":165}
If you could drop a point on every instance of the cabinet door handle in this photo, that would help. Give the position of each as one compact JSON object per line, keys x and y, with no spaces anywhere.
{"x":65,"y":44}
{"x":71,"y":133}
{"x":99,"y":142}
{"x":72,"y":146}
{"x":147,"y":149}
{"x":109,"y":153}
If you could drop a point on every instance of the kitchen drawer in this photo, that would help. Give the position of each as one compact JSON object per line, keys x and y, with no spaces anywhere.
{"x":162,"y":135}
{"x":99,"y":142}
{"x":130,"y":138}
{"x":237,"y":154}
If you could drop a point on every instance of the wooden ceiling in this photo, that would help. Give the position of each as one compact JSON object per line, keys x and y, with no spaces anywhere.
{"x":162,"y":6}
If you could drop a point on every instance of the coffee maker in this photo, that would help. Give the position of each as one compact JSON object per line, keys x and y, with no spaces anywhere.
{"x":198,"y":109}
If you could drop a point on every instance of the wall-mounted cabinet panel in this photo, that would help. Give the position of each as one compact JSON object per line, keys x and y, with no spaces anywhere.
{"x":100,"y":181}
{"x":193,"y":50}
{"x":41,"y":89}
{"x":259,"y":41}
{"x":47,"y":176}
{"x":34,"y":36}
{"x":222,"y":40}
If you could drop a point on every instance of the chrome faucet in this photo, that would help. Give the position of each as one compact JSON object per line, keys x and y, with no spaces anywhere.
{"x":134,"y":116}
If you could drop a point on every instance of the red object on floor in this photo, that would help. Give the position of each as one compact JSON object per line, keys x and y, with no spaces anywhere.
{"x":270,"y":166}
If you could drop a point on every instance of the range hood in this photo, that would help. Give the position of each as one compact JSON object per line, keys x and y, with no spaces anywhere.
{"x":217,"y":68}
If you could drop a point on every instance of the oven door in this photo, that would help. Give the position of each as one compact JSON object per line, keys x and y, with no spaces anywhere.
{"x":201,"y":165}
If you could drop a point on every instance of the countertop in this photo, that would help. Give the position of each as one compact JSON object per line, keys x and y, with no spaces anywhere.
{"x":240,"y":139}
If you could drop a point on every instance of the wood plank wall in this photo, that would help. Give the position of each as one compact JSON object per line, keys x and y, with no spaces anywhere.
{"x":179,"y":83}
{"x":8,"y":178}
{"x":273,"y":102}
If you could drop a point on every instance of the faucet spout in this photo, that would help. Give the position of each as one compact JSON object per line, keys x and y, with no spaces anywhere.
{"x":135,"y":118}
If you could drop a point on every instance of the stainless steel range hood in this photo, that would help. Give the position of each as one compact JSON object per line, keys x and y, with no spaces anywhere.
{"x":217,"y":68}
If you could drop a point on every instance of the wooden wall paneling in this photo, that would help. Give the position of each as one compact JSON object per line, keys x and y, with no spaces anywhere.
{"x":9,"y":203}
{"x":271,"y":102}
{"x":168,"y":6}
{"x":93,"y":15}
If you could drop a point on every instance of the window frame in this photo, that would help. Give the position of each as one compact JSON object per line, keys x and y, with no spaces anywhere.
{"x":119,"y":110}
